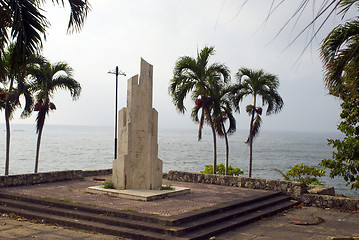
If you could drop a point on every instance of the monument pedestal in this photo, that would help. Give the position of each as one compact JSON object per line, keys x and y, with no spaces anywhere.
{"x":139,"y":194}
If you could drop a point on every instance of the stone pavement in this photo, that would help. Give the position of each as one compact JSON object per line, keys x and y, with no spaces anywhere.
{"x":12,"y":227}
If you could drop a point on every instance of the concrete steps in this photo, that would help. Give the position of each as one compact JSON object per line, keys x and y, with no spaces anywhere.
{"x":198,"y":224}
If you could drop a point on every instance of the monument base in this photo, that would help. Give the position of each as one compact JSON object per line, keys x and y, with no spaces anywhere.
{"x":138,"y":194}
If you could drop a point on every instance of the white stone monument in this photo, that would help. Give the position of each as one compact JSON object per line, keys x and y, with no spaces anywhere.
{"x":137,"y":165}
{"x":137,"y":171}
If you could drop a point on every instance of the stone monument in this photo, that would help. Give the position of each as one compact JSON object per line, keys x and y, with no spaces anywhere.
{"x":137,"y":165}
{"x":137,"y":170}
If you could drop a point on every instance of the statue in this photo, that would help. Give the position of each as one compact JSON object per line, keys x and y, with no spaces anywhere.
{"x":137,"y":165}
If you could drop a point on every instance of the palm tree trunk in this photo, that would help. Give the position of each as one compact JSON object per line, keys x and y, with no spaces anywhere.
{"x":227,"y":148}
{"x":39,"y":134}
{"x":7,"y":122}
{"x":251,"y":138}
{"x":214,"y":143}
{"x":40,"y":126}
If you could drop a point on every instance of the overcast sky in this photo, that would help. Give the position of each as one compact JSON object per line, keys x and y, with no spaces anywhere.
{"x":119,"y":32}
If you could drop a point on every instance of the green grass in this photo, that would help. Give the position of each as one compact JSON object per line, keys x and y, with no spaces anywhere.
{"x":167,"y":187}
{"x":129,"y":210}
{"x":108,"y":185}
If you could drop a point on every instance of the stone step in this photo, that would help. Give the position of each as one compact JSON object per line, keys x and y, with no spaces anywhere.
{"x":219,"y":208}
{"x":88,"y":216}
{"x":231,"y":224}
{"x":87,"y":225}
{"x":199,"y":224}
{"x":232,"y":213}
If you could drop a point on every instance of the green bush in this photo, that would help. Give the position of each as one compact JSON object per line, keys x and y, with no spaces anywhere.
{"x":303,"y":173}
{"x":108,"y":185}
{"x":167,"y":187}
{"x":221,"y":169}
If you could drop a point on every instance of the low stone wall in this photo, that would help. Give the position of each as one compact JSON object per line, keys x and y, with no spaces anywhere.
{"x":47,"y":177}
{"x":322,"y":197}
{"x":318,"y":197}
{"x":102,"y":172}
{"x":327,"y":201}
{"x":293,"y":189}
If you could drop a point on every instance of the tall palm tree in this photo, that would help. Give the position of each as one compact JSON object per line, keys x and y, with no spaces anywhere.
{"x":223,"y":102}
{"x":258,"y":84}
{"x":340,"y":56}
{"x":48,"y":78}
{"x":195,"y":75}
{"x":14,"y":84}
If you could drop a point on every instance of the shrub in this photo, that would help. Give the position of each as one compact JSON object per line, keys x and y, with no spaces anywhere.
{"x":303,"y":173}
{"x":108,"y":185}
{"x":221,"y":169}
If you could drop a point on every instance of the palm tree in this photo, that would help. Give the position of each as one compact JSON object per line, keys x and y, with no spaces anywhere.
{"x":223,"y":102}
{"x":340,"y":56}
{"x":258,"y":84}
{"x":14,"y":84}
{"x":202,"y":80}
{"x":48,"y":78}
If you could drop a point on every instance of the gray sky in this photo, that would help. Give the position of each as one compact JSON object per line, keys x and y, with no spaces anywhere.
{"x":119,"y":32}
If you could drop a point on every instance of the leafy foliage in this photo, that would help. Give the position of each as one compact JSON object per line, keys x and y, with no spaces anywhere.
{"x":108,"y":185}
{"x":303,"y":173}
{"x":167,"y":187}
{"x":345,"y":162}
{"x":221,"y":170}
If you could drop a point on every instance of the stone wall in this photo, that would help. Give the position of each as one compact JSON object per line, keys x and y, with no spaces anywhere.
{"x":293,"y":189}
{"x":322,"y":197}
{"x":47,"y":177}
{"x":327,"y":201}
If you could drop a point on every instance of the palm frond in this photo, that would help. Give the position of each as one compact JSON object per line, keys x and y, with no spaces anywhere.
{"x":67,"y":83}
{"x":25,"y":89}
{"x":41,"y":116}
{"x":28,"y":27}
{"x":255,"y":128}
{"x":78,"y":15}
{"x":339,"y":49}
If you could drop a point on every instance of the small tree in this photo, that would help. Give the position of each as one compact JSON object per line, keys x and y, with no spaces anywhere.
{"x":303,"y":173}
{"x":48,"y":78}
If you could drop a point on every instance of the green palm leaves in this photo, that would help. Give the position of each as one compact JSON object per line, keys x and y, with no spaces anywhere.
{"x":340,"y":55}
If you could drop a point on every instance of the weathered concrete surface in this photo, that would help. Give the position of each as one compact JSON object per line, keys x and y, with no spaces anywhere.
{"x":137,"y":165}
{"x":337,"y":225}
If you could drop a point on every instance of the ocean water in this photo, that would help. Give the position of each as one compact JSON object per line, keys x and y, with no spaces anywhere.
{"x":92,"y":147}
